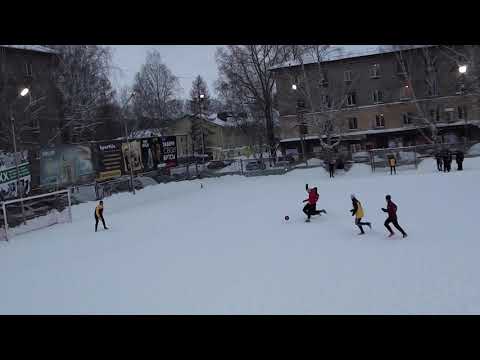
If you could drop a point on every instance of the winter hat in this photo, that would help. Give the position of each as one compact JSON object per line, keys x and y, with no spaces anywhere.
{"x":388,"y":197}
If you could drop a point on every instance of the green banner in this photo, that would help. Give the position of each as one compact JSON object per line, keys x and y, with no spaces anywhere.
{"x":10,"y":174}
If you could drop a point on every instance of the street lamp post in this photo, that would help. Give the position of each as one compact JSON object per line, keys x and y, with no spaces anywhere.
{"x":200,"y":101}
{"x":23,"y":93}
{"x":128,"y":143}
{"x":462,"y":69}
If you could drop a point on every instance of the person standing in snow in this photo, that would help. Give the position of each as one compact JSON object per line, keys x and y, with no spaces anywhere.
{"x":99,"y":216}
{"x":438,"y":157}
{"x":392,"y":217}
{"x":393,"y":163}
{"x":445,"y":157}
{"x":459,"y":160}
{"x":311,"y":207}
{"x":357,"y":211}
{"x":331,"y":167}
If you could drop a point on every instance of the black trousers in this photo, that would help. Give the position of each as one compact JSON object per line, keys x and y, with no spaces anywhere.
{"x":310,"y":210}
{"x":331,"y":170}
{"x":439,"y":165}
{"x":97,"y":219}
{"x":359,"y":223}
{"x":393,"y":169}
{"x":459,"y":165}
{"x":395,"y":223}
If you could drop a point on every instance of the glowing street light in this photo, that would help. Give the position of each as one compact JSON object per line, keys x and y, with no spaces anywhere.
{"x":462,"y":69}
{"x":24,"y":91}
{"x":294,"y":87}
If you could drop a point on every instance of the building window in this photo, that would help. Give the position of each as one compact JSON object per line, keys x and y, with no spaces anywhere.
{"x":449,"y":114}
{"x":352,"y":123}
{"x":432,"y":87}
{"x":375,"y":71}
{"x":405,"y":93}
{"x":407,"y":118}
{"x":28,"y":69}
{"x":379,"y":121}
{"x":351,"y":100}
{"x":377,"y":96}
{"x":460,"y":88}
{"x":326,"y":101}
{"x":434,"y":115}
{"x":300,"y":104}
{"x":347,"y":75}
{"x":462,"y":112}
{"x":303,"y":129}
{"x":323,"y":80}
{"x":402,"y":68}
{"x":356,"y":147}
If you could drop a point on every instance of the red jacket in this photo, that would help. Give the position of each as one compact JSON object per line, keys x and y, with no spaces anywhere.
{"x":392,"y":209}
{"x":312,"y":197}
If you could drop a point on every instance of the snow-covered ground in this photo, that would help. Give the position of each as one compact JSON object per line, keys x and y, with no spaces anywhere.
{"x":225,"y":248}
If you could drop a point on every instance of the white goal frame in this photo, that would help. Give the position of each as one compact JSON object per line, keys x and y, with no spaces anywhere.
{"x":5,"y":203}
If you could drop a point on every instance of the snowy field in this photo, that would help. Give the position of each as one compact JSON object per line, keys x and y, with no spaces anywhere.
{"x":226,"y":249}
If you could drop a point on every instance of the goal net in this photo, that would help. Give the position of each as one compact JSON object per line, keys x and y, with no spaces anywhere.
{"x":20,"y":216}
{"x":402,"y":157}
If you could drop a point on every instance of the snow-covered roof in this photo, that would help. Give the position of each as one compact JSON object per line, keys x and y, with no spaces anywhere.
{"x":341,"y":55}
{"x":37,"y":48}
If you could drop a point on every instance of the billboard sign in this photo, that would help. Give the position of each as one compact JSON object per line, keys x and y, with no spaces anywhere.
{"x":8,"y":181}
{"x":169,"y":150}
{"x":108,"y":159}
{"x":66,"y":164}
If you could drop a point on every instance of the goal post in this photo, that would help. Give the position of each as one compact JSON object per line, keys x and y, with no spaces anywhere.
{"x":38,"y":212}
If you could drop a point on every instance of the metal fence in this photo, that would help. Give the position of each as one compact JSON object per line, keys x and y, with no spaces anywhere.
{"x":411,"y":156}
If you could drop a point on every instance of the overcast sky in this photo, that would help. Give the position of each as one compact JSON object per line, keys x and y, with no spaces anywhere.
{"x":185,"y":61}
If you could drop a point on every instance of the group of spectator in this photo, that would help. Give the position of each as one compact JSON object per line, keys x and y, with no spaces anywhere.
{"x":445,"y":158}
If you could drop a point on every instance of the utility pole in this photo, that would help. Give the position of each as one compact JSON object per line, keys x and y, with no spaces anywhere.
{"x":128,"y":143}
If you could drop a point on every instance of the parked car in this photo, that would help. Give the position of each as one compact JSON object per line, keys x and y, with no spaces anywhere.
{"x":217,"y":164}
{"x":289,"y":158}
{"x":255,"y":165}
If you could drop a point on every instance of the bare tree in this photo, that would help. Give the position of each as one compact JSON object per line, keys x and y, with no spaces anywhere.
{"x":245,"y":114}
{"x":83,"y":79}
{"x":319,"y":100}
{"x":199,"y":88}
{"x":246,"y":71}
{"x":156,"y":89}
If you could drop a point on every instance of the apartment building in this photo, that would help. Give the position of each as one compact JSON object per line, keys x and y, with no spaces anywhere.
{"x":378,"y":98}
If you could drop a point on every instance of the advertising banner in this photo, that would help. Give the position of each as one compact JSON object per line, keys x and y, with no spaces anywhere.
{"x":108,"y":159}
{"x":151,"y":153}
{"x":135,"y":157}
{"x":66,"y":164}
{"x":8,"y":181}
{"x":169,"y":150}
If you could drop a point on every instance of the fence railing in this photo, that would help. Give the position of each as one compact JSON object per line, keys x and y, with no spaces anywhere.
{"x":413,"y":155}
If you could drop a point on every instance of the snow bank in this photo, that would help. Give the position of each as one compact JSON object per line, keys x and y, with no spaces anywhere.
{"x":474,"y":150}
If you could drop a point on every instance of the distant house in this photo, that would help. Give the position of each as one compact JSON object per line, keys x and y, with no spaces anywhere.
{"x":36,"y":115}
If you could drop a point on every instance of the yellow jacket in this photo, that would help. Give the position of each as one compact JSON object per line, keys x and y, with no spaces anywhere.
{"x":359,"y":214}
{"x":99,"y":210}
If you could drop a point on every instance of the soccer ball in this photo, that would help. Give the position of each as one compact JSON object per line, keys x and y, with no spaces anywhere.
{"x":287,"y":217}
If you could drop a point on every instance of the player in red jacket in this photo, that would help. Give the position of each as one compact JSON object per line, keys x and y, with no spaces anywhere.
{"x":311,"y":207}
{"x":392,"y":217}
